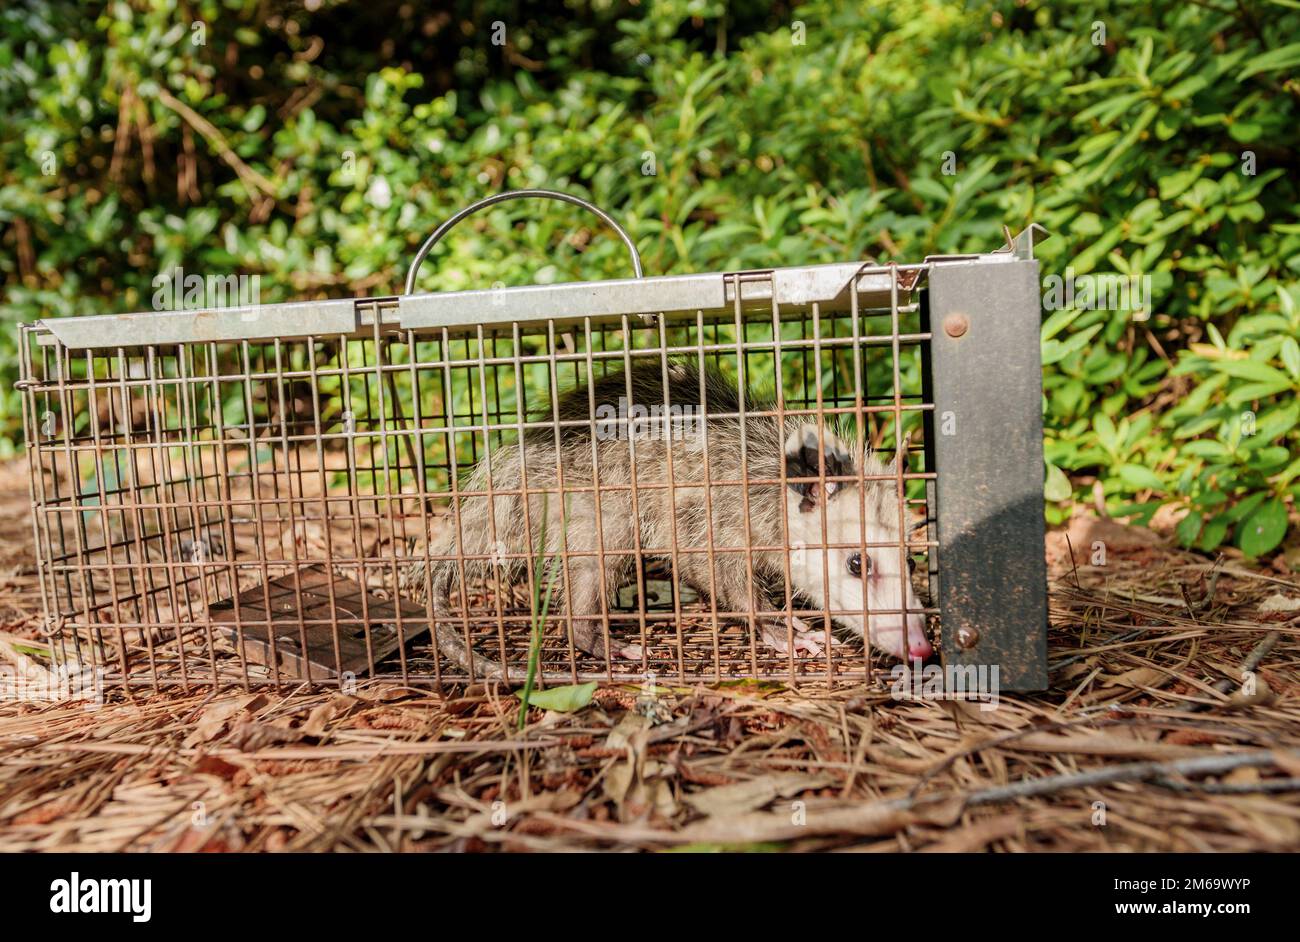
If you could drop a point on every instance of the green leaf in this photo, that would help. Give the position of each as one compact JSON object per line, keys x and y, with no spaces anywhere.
{"x":254,"y":118}
{"x":1105,"y":429}
{"x":1252,"y":391}
{"x":1056,"y":350}
{"x":1213,"y":533}
{"x":1058,"y":321}
{"x":1291,"y":472}
{"x":930,"y":189}
{"x":1204,"y":448}
{"x":1057,"y":486}
{"x":1189,"y":528}
{"x":1270,"y":459}
{"x":1263,"y":530}
{"x":1291,"y":356}
{"x":1283,"y":57}
{"x":1273,"y":425}
{"x":565,"y":699}
{"x":1175,"y":184}
{"x":1254,"y":371}
{"x":1140,"y":478}
{"x":1245,"y":508}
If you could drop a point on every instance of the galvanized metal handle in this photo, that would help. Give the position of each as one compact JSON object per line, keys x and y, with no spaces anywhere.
{"x":443,"y":229}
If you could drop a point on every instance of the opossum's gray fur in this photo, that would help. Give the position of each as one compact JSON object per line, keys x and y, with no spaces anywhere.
{"x":500,"y":523}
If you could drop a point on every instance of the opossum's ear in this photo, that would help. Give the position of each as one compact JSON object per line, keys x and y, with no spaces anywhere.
{"x":805,"y":452}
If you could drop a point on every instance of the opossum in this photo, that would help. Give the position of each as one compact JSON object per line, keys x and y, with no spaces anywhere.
{"x":490,"y":528}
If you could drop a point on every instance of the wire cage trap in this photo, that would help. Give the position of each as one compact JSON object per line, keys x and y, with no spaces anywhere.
{"x":665,"y":476}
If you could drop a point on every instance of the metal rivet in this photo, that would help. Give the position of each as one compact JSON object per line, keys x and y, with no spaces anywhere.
{"x":967,"y":637}
{"x":955,"y":325}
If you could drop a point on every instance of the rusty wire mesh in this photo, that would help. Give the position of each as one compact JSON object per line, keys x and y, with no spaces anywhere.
{"x":268,"y":510}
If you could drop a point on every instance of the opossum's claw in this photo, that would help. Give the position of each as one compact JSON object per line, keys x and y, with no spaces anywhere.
{"x":805,"y":643}
{"x":633,"y":652}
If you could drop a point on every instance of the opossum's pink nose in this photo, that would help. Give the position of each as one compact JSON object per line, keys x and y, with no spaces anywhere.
{"x":918,"y":645}
{"x":904,"y":643}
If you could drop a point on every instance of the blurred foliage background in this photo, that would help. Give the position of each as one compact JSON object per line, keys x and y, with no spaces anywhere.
{"x":316,"y":143}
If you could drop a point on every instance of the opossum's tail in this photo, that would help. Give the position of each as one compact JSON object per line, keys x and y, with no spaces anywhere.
{"x":449,"y":640}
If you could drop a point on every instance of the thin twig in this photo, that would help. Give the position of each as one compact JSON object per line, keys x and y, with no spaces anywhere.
{"x":1257,"y":655}
{"x":1130,"y":772}
{"x":248,"y":176}
{"x":1268,"y":786}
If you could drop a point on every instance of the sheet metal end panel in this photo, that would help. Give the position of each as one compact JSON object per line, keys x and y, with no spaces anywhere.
{"x":255,"y":322}
{"x":987,"y":379}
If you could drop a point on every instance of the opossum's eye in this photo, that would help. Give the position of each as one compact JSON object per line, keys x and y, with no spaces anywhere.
{"x":855,"y":564}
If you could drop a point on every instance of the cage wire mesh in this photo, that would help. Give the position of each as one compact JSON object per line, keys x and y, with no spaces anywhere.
{"x":274,"y":507}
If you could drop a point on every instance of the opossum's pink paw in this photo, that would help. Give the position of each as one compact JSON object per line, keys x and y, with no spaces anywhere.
{"x":775,"y":638}
{"x":816,"y":632}
{"x":806,"y":643}
{"x":633,"y":652}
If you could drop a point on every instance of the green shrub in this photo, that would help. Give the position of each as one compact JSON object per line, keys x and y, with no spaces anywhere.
{"x":316,"y":148}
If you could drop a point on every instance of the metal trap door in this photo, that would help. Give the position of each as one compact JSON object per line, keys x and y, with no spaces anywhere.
{"x":986,"y":431}
{"x":320,"y":627}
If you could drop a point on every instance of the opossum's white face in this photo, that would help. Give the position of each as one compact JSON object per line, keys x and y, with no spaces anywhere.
{"x":876,"y":580}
